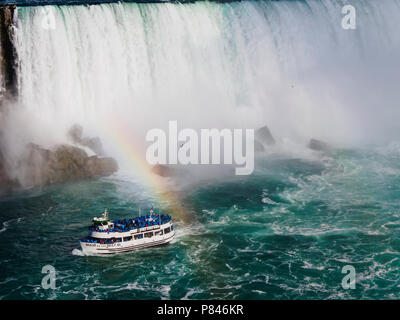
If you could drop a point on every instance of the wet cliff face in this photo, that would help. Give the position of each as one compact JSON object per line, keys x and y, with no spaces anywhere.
{"x":38,"y":166}
{"x":7,"y":77}
{"x":7,"y":51}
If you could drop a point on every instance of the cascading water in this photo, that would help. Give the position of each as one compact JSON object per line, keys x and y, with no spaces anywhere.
{"x":287,"y":64}
{"x":284,"y":232}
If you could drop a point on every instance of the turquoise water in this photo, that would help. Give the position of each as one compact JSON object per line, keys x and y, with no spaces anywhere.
{"x":284,"y":232}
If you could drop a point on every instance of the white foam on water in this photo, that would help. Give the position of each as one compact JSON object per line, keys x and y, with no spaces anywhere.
{"x":77,"y":252}
{"x":191,"y":292}
{"x":5,"y":225}
{"x":265,"y":199}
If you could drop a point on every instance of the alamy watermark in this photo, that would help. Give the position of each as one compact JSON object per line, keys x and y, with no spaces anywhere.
{"x":349,"y":18}
{"x":349,"y":280}
{"x":49,"y":280}
{"x":187,"y":147}
{"x":48,"y":18}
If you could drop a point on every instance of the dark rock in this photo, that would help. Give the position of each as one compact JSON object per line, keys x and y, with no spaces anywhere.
{"x":258,"y":146}
{"x":68,"y":163}
{"x":33,"y":165}
{"x":64,"y":163}
{"x":264,"y":136}
{"x":163,"y":170}
{"x":8,"y":54}
{"x":7,"y":185}
{"x":4,"y":180}
{"x":318,"y":145}
{"x":99,"y":167}
{"x":40,"y":167}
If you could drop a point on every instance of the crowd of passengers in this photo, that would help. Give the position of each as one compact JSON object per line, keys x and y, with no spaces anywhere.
{"x":131,"y":224}
{"x":101,"y":241}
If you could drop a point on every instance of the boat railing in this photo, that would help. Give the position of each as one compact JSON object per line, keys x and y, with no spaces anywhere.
{"x":129,"y":230}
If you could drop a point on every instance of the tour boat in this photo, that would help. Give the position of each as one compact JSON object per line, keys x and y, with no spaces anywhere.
{"x":107,"y":237}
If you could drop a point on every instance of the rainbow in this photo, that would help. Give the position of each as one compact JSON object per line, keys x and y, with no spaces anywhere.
{"x":128,"y":148}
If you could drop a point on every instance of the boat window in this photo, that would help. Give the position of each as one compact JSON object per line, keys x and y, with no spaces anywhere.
{"x":172,"y":227}
{"x":138,"y":236}
{"x":127,"y":238}
{"x":167,"y":230}
{"x":158,"y":233}
{"x":148,"y":234}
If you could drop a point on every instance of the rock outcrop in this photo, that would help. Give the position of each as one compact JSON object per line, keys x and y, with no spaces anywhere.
{"x":263,"y":139}
{"x":163,"y":170}
{"x":6,"y":183}
{"x":40,"y":167}
{"x":318,"y":145}
{"x":64,"y":163}
{"x":258,"y":146}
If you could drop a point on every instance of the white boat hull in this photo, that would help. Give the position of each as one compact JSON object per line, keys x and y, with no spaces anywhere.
{"x":126,"y":246}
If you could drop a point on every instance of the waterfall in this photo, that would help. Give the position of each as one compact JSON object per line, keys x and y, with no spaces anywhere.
{"x":288,"y":64}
